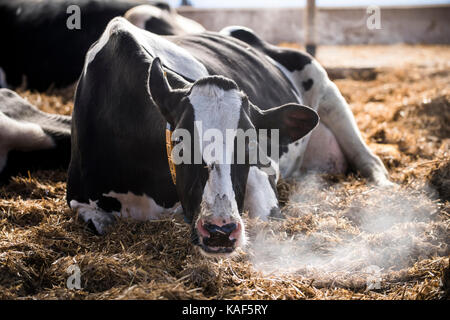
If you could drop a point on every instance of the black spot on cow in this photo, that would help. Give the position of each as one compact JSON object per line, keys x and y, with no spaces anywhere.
{"x":293,"y":60}
{"x":159,"y":26}
{"x":283,"y":149}
{"x":247,"y":36}
{"x":307,"y":84}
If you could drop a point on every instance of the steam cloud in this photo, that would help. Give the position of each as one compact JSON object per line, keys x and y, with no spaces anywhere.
{"x":335,"y":230}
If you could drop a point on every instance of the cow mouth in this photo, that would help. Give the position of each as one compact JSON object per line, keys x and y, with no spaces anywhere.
{"x":217,"y":243}
{"x":216,"y":250}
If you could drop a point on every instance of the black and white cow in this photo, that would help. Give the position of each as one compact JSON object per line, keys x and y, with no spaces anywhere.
{"x":162,"y":21}
{"x":29,"y":138}
{"x":37,"y":43}
{"x":135,"y":83}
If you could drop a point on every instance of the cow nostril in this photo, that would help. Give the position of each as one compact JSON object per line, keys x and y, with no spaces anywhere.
{"x":211,"y":228}
{"x":229,"y":228}
{"x":214,"y":236}
{"x":215,"y":229}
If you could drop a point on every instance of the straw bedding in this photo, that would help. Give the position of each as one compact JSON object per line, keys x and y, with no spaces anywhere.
{"x":341,"y":238}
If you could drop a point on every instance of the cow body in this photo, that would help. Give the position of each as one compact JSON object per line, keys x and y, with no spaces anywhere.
{"x":232,"y":80}
{"x":162,"y":21}
{"x":38,"y":44}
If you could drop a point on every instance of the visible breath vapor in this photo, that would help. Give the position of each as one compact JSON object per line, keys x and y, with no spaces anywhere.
{"x":334,"y":229}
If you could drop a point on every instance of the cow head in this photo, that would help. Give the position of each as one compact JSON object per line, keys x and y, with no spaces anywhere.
{"x":211,"y":185}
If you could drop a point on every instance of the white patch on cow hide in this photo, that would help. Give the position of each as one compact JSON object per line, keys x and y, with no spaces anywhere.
{"x":323,"y":153}
{"x":188,"y":25}
{"x":140,"y":208}
{"x":139,"y":15}
{"x":291,"y":161}
{"x":288,"y":75}
{"x":91,"y":212}
{"x":314,"y":71}
{"x":21,"y":136}
{"x":260,"y":197}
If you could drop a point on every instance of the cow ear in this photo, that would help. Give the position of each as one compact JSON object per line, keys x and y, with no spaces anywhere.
{"x":293,"y":120}
{"x":166,"y":99}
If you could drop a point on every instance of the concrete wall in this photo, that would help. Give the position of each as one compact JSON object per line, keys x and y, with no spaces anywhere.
{"x":425,"y":24}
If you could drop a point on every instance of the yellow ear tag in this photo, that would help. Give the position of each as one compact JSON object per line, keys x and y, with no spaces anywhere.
{"x":169,"y":148}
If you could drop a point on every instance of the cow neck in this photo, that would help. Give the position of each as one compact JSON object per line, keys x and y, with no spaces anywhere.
{"x":169,"y":148}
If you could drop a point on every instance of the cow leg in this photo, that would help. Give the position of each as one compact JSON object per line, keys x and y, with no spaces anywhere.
{"x":20,"y":135}
{"x":98,"y":220}
{"x":336,"y":114}
{"x":260,"y":197}
{"x":291,"y":161}
{"x":29,"y":138}
{"x":323,"y":153}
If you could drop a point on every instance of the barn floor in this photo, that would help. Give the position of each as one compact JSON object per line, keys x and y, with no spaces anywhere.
{"x":341,"y":239}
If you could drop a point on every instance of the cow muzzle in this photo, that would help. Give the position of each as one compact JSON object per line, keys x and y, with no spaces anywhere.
{"x":220,"y":231}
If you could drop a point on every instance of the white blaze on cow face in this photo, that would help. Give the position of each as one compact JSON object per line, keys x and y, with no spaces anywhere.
{"x":218,"y":109}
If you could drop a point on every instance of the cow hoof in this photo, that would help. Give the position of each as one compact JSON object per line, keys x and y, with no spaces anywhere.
{"x":100,"y":224}
{"x":382,"y":181}
{"x":385,"y":184}
{"x":177,"y":209}
{"x":276,"y":213}
{"x":96,"y":219}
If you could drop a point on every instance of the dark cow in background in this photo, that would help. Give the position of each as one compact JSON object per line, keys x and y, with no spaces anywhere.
{"x":2,"y":79}
{"x":162,"y":21}
{"x":36,"y":42}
